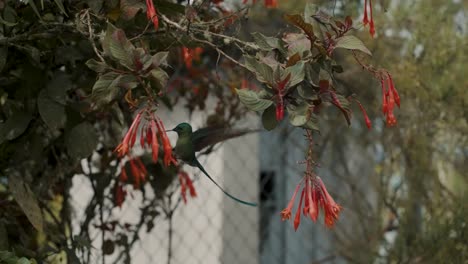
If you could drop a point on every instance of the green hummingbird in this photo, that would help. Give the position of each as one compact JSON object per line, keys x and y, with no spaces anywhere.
{"x":188,"y":143}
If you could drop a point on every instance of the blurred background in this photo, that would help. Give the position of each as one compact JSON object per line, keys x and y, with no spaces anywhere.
{"x":403,"y":189}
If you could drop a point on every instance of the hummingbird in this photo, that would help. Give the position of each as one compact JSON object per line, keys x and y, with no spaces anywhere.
{"x":189,"y":142}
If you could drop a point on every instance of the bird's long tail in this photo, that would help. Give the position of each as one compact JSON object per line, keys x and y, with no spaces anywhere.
{"x":197,"y":163}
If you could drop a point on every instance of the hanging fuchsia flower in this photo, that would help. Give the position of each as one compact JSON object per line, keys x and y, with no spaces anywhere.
{"x":390,"y":97}
{"x":366,"y":20}
{"x":150,"y":133}
{"x":366,"y":117}
{"x":151,"y":14}
{"x":129,"y":138}
{"x":314,"y":196}
{"x":186,"y":182}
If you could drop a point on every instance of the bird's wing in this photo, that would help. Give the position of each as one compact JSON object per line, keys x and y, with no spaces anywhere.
{"x":209,"y":136}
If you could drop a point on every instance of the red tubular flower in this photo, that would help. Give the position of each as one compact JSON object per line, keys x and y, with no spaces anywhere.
{"x":185,"y":182}
{"x":151,"y":14}
{"x":154,"y":140}
{"x":371,"y":24}
{"x":190,"y":55}
{"x":390,"y":97}
{"x":331,"y":208}
{"x":315,"y":194}
{"x":123,"y":175}
{"x":297,"y":218}
{"x":129,"y":138}
{"x":366,"y":117}
{"x":286,"y":213}
{"x":168,"y":158}
{"x":393,"y":90}
{"x":138,"y":172}
{"x":271,"y":3}
{"x":119,"y":195}
{"x":365,"y":20}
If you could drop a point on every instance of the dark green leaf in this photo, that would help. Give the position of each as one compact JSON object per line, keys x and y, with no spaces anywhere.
{"x":96,"y":66}
{"x":159,"y":76}
{"x":81,"y":140}
{"x":106,"y":42}
{"x":26,"y":200}
{"x":352,"y":43}
{"x":252,"y":101}
{"x":60,"y":6}
{"x":269,"y":118}
{"x":106,"y":87}
{"x":3,"y":56}
{"x":51,"y":112}
{"x":299,"y":115}
{"x":307,"y":92}
{"x":23,"y":260}
{"x":121,"y":49}
{"x":160,"y":59}
{"x":128,"y":82}
{"x":263,"y":72}
{"x":14,"y":126}
{"x":297,"y":73}
{"x":312,"y":123}
{"x":267,"y":43}
{"x":57,"y":87}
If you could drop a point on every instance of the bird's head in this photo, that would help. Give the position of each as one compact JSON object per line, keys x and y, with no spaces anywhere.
{"x":183,"y":129}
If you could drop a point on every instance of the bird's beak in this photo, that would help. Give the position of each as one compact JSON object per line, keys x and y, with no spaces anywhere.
{"x":170,"y":130}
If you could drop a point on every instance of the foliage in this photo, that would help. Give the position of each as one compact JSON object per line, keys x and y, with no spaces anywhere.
{"x":74,"y":71}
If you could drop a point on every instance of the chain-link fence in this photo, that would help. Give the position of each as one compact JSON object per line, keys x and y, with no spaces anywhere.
{"x":153,"y":227}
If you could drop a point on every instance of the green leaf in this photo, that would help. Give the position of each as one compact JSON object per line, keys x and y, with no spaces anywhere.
{"x":127,"y":82}
{"x":299,"y":115}
{"x":312,"y":123}
{"x":106,"y":87}
{"x":252,"y":101}
{"x":14,"y":126}
{"x":57,"y":87}
{"x":310,"y":10}
{"x":3,"y":56}
{"x":51,"y":112}
{"x":352,"y":43}
{"x":34,"y":7}
{"x":307,"y":93}
{"x":121,"y":49}
{"x":267,"y":43}
{"x":81,"y":140}
{"x":106,"y":41}
{"x":297,"y":73}
{"x":130,"y":8}
{"x":97,"y":66}
{"x":263,"y":72}
{"x":160,"y":59}
{"x":299,"y":22}
{"x":60,"y":6}
{"x":23,"y":260}
{"x":26,"y":200}
{"x":160,"y":77}
{"x":297,"y":44}
{"x":269,"y":118}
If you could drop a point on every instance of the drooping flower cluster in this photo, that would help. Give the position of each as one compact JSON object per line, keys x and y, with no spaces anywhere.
{"x":151,"y":14}
{"x":369,"y":19}
{"x":186,"y":183}
{"x":390,"y":97}
{"x":314,"y":196}
{"x":151,"y":132}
